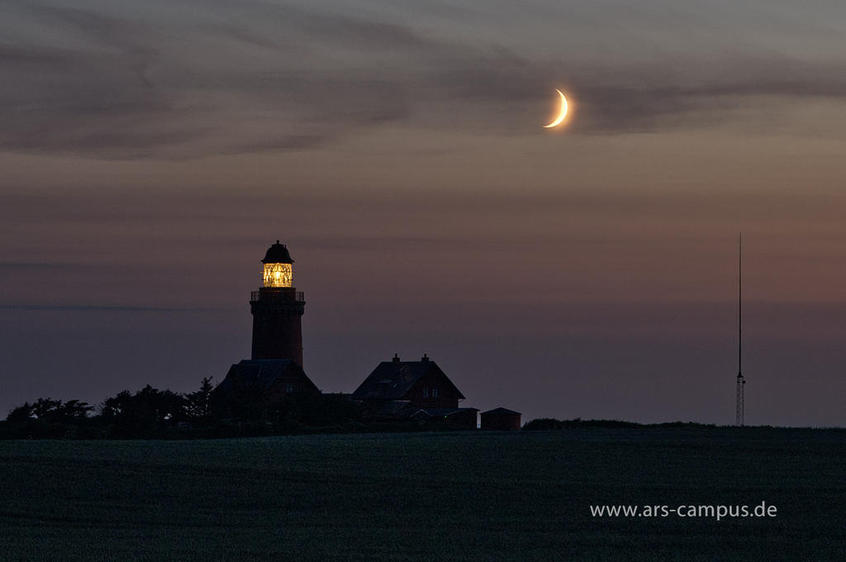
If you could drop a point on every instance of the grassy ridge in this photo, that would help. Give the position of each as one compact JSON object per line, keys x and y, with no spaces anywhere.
{"x":482,"y":496}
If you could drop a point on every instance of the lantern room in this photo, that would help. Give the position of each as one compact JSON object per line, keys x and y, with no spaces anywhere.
{"x":278,"y":268}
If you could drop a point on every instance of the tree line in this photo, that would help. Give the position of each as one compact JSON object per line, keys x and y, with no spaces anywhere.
{"x":151,"y":413}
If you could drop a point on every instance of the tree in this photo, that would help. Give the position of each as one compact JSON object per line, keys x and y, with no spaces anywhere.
{"x":49,"y":410}
{"x":199,"y":402}
{"x":20,"y":414}
{"x":145,"y":413}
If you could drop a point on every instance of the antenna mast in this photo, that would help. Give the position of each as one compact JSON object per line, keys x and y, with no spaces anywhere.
{"x":741,"y":382}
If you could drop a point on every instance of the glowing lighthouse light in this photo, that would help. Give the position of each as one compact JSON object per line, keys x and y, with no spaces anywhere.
{"x":278,"y":275}
{"x":278,"y":270}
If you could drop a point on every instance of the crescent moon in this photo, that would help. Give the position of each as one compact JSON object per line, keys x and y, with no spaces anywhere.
{"x":562,"y":114}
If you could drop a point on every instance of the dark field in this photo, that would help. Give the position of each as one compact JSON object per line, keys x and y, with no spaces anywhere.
{"x":480,"y":496}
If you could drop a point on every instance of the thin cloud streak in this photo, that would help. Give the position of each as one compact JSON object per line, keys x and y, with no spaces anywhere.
{"x":100,"y":308}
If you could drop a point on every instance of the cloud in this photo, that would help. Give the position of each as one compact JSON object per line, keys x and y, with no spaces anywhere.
{"x":23,"y":265}
{"x":124,"y":90}
{"x":97,"y":308}
{"x":115,"y":82}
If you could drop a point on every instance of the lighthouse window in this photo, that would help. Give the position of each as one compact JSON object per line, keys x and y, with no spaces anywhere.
{"x":278,"y":275}
{"x":434,"y":393}
{"x":289,"y":387}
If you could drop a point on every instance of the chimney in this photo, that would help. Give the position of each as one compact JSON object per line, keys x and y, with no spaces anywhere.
{"x":425,"y":358}
{"x":396,"y":358}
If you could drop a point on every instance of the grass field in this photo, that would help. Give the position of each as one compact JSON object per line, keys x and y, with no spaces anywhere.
{"x":425,"y":496}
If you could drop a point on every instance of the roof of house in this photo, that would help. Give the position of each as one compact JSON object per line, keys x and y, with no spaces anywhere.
{"x":392,"y":380}
{"x":501,"y":411}
{"x":264,"y":374}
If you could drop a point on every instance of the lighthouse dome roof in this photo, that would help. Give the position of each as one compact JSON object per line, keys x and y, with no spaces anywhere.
{"x":278,"y":253}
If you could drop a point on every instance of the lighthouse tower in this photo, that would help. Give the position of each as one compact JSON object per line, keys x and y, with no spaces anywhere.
{"x":255,"y":386}
{"x":277,"y":309}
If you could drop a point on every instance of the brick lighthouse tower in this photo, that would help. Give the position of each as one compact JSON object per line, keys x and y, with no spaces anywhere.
{"x":277,"y":309}
{"x":257,"y":385}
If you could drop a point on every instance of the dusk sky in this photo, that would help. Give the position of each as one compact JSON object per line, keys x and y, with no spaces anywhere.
{"x":150,"y":152}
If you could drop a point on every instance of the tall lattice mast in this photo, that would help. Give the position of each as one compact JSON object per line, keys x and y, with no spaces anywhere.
{"x":741,"y":382}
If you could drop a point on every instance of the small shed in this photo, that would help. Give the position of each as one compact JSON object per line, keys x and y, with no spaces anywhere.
{"x":501,"y":419}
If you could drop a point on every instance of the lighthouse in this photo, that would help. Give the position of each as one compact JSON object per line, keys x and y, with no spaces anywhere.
{"x":277,"y":309}
{"x":253,"y":387}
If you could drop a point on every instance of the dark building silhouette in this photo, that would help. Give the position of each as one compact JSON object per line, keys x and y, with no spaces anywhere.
{"x":254,"y":384}
{"x":500,"y":418}
{"x":276,"y":367}
{"x":421,"y":384}
{"x":395,"y":391}
{"x":417,"y":390}
{"x":277,"y":309}
{"x":272,"y":377}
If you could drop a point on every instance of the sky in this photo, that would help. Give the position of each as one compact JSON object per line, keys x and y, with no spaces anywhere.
{"x":151,"y":152}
